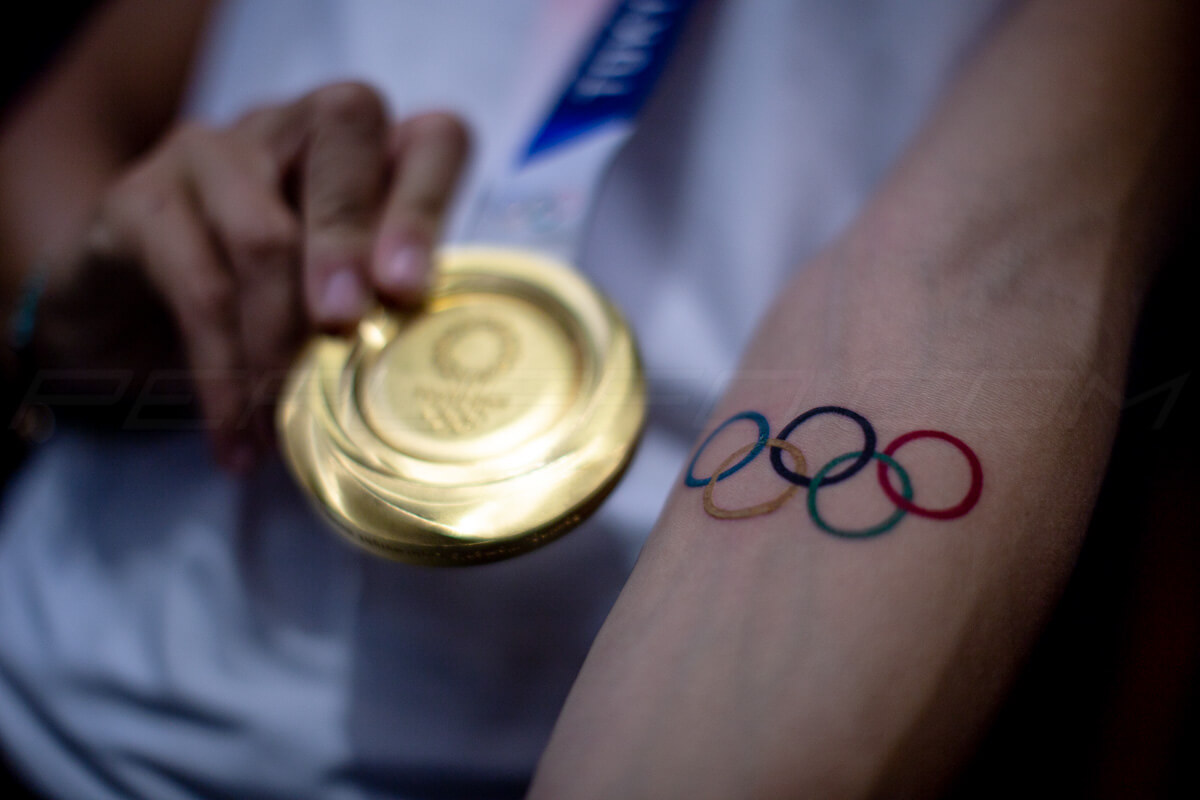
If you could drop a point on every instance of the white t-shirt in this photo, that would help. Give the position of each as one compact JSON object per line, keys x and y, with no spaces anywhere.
{"x":168,"y":631}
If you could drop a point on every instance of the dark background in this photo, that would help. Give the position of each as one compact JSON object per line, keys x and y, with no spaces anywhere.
{"x":1109,"y":703}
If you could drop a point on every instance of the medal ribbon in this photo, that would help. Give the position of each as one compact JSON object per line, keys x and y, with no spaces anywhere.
{"x":544,"y":201}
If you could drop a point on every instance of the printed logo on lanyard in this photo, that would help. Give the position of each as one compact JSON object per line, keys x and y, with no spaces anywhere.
{"x":616,"y":77}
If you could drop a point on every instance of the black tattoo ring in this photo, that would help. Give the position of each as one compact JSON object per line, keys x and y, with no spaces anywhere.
{"x":864,"y":457}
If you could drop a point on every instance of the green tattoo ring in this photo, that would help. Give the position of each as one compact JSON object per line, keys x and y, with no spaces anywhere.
{"x":865,"y":533}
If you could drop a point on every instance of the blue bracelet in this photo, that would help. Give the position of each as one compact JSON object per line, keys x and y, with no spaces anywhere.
{"x":23,"y":321}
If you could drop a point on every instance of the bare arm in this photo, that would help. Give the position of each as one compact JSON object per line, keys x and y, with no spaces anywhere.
{"x":989,"y":291}
{"x":114,"y":91}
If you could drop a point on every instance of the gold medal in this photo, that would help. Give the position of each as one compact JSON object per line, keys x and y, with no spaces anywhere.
{"x":488,"y":423}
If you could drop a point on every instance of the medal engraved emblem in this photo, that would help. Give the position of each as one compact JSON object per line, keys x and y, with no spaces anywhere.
{"x":468,"y":356}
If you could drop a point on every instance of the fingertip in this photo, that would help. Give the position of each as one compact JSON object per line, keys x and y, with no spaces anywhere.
{"x":402,"y":273}
{"x":341,"y":299}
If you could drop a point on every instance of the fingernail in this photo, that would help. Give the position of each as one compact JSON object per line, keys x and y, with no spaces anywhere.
{"x":344,"y":297}
{"x":408,"y":270}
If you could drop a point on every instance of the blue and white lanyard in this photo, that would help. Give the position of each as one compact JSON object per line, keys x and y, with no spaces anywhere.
{"x":543,"y":201}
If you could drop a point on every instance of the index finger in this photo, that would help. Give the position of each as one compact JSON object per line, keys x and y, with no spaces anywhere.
{"x":342,"y":181}
{"x":430,"y":152}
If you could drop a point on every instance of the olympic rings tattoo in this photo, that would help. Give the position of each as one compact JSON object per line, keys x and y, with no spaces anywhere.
{"x":795,"y":476}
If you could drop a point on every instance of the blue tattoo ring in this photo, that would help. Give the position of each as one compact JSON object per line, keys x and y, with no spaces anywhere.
{"x":864,"y":455}
{"x":818,"y":481}
{"x":764,"y":433}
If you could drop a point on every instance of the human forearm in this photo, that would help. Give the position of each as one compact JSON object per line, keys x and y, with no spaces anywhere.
{"x":793,"y":663}
{"x":989,"y":291}
{"x":113,"y":91}
{"x":70,"y":132}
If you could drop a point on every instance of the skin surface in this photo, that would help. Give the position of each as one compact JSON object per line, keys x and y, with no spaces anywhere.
{"x":991,"y":283}
{"x":220,"y":248}
{"x":988,"y":289}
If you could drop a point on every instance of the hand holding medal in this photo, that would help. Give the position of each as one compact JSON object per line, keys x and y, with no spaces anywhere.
{"x":500,"y":415}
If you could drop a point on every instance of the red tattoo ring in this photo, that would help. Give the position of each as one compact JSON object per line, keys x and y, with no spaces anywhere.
{"x":953,"y":512}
